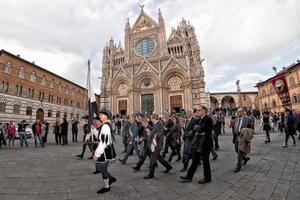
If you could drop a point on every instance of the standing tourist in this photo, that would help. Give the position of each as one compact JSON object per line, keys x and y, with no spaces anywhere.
{"x":167,"y":132}
{"x":11,"y":134}
{"x":201,"y":147}
{"x":37,"y":131}
{"x":74,"y":130}
{"x":2,"y":134}
{"x":22,"y":133}
{"x":105,"y":151}
{"x":289,"y":128}
{"x":155,"y":144}
{"x":266,"y":123}
{"x":188,"y":139}
{"x":64,"y":131}
{"x":56,"y":131}
{"x":125,"y":132}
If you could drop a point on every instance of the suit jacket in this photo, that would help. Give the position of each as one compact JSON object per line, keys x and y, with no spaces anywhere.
{"x":157,"y":134}
{"x":189,"y":128}
{"x":217,"y":125}
{"x":204,"y":126}
{"x":134,"y":130}
{"x":245,"y":122}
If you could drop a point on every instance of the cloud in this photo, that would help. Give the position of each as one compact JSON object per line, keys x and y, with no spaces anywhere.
{"x":236,"y":37}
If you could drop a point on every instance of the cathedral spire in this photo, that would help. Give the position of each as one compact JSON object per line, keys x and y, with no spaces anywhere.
{"x":127,"y":26}
{"x":160,"y":17}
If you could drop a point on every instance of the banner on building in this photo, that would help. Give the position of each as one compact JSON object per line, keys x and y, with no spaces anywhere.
{"x":281,"y":87}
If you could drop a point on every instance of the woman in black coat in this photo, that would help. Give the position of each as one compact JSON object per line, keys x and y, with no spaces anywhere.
{"x":175,"y":144}
{"x":266,"y":126}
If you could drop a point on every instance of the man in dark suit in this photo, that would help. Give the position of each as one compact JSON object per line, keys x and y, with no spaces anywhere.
{"x":201,"y":147}
{"x":155,"y":144}
{"x":188,"y":139}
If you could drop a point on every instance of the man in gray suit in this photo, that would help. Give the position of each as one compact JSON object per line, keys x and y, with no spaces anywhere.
{"x":242,"y":121}
{"x":132,"y":140}
{"x":155,"y":144}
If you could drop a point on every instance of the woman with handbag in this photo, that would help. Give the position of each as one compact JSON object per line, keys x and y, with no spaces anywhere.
{"x":105,"y":151}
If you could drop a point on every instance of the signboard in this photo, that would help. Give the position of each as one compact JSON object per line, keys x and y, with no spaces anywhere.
{"x":280,"y":85}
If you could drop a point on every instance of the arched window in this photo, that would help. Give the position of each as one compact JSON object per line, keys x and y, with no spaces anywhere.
{"x":273,"y":103}
{"x":7,"y":67}
{"x":52,"y":84}
{"x":59,"y":87}
{"x":33,"y":77}
{"x":57,"y":114}
{"x":2,"y":107}
{"x":49,"y":113}
{"x":29,"y":110}
{"x":21,"y":72}
{"x":272,"y":89}
{"x":65,"y":115}
{"x":294,"y":98}
{"x":263,"y":93}
{"x":292,"y":81}
{"x":43,"y":82}
{"x":16,"y":109}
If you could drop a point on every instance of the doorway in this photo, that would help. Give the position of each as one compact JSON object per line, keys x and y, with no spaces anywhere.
{"x":147,"y":103}
{"x":122,"y":105}
{"x":40,"y":114}
{"x":176,"y":103}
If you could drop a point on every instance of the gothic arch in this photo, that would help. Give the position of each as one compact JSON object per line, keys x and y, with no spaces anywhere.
{"x":143,"y":76}
{"x":228,"y":101}
{"x":246,"y":101}
{"x":213,"y":102}
{"x":117,"y":82}
{"x":167,"y":75}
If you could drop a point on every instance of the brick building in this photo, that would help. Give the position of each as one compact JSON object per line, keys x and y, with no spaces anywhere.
{"x":28,"y":91}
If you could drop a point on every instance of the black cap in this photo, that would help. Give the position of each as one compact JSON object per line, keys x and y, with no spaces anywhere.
{"x":105,"y":112}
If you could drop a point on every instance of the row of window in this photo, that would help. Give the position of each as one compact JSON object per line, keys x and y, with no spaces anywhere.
{"x":291,"y":83}
{"x":16,"y":110}
{"x":33,"y":78}
{"x":30,"y":94}
{"x":175,"y":50}
{"x":294,"y":99}
{"x":119,"y":61}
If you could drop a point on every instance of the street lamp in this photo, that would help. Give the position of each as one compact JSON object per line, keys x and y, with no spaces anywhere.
{"x":274,"y":69}
{"x":239,"y":93}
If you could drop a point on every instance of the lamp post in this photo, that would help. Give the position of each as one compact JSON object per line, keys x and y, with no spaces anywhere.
{"x":239,"y":93}
{"x":274,"y":69}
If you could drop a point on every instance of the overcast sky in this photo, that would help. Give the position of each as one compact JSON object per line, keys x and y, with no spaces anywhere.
{"x":239,"y":39}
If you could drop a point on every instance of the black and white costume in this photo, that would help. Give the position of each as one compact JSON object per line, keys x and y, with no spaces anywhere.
{"x":105,"y":152}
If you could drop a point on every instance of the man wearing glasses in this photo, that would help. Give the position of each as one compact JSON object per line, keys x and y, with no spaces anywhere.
{"x":201,"y":146}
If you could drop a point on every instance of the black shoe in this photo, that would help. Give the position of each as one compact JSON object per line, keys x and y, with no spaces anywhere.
{"x":183,"y":169}
{"x":103,"y":190}
{"x":203,"y":181}
{"x":185,"y":179}
{"x":237,"y":169}
{"x":148,"y":177}
{"x":90,"y":158}
{"x":136,"y":168}
{"x":96,"y":172}
{"x":122,"y":161}
{"x":215,"y":157}
{"x":168,"y":169}
{"x":246,"y":160}
{"x":79,"y":156}
{"x":112,"y":180}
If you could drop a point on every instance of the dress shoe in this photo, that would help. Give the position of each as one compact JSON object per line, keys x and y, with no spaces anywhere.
{"x":215,"y":157}
{"x":246,"y":160}
{"x":103,"y":190}
{"x":112,"y":180}
{"x":203,"y":181}
{"x":96,"y":172}
{"x":168,"y":169}
{"x":136,"y":168}
{"x":122,"y":161}
{"x":237,"y":169}
{"x":80,"y":156}
{"x":148,"y":177}
{"x":185,"y":179}
{"x":183,"y":170}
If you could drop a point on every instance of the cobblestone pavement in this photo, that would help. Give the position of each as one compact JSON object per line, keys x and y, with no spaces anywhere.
{"x":55,"y":173}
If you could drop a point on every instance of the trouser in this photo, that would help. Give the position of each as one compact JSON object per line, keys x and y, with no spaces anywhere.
{"x":130,"y":147}
{"x":287,"y":135}
{"x":58,"y":138}
{"x":143,"y":157}
{"x":187,"y":153}
{"x":118,"y":131}
{"x":74,"y":136}
{"x":196,"y":160}
{"x":241,"y":157}
{"x":23,"y":139}
{"x":154,"y":157}
{"x":175,"y":150}
{"x":214,"y":153}
{"x":38,"y":136}
{"x":2,"y":139}
{"x":84,"y":147}
{"x":125,"y":139}
{"x":166,"y":147}
{"x":268,"y":136}
{"x":103,"y":168}
{"x":216,"y":140}
{"x":65,"y":138}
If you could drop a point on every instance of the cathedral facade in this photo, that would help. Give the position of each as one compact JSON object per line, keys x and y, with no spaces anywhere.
{"x":153,"y":72}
